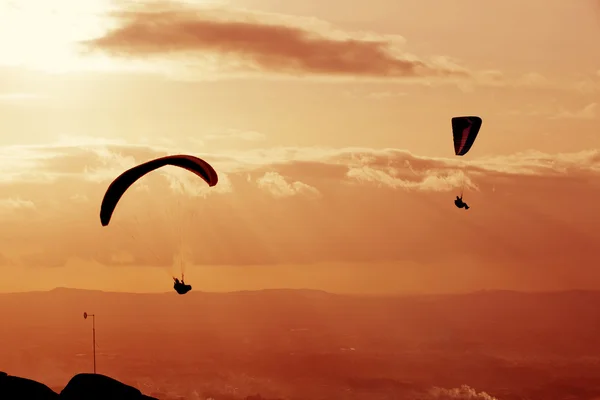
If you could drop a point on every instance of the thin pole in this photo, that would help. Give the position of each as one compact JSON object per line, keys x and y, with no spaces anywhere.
{"x":94,"y":339}
{"x":85,"y":315}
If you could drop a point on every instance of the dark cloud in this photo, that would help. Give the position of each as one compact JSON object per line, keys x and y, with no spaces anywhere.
{"x":260,"y":45}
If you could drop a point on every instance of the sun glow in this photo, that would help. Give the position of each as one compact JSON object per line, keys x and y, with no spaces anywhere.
{"x":47,"y":36}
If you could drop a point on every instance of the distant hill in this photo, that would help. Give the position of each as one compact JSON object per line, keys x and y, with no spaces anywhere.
{"x":562,"y":321}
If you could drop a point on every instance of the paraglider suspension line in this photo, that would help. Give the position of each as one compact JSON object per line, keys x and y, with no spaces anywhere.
{"x":464,"y":180}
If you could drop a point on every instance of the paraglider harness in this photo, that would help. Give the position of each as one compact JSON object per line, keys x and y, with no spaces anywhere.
{"x":180,"y":286}
{"x":460,"y":204}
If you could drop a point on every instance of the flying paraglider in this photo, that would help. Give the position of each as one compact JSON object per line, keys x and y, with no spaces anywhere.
{"x":464,"y":132}
{"x":122,"y":183}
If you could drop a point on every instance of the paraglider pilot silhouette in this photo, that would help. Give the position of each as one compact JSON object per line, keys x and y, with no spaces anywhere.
{"x":460,"y":204}
{"x":180,"y":286}
{"x":464,"y":132}
{"x":120,"y":185}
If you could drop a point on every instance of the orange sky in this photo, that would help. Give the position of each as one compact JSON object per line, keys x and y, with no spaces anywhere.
{"x":329,"y":126}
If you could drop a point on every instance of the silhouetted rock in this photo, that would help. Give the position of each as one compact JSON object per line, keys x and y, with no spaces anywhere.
{"x":15,"y":388}
{"x":80,"y":387}
{"x":100,"y":387}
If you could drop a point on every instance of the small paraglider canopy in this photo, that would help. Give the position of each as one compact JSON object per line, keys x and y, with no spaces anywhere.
{"x":464,"y":132}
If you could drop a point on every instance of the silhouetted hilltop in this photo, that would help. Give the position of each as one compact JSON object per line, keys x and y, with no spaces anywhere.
{"x":99,"y":387}
{"x":16,"y":388}
{"x":80,"y":387}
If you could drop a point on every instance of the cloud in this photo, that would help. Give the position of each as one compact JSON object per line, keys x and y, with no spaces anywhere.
{"x":5,"y":261}
{"x":464,"y":392}
{"x":276,"y":184}
{"x":251,"y":42}
{"x":83,"y":158}
{"x":15,"y":204}
{"x":219,"y":42}
{"x":587,"y":84}
{"x":385,"y":95}
{"x":80,"y":198}
{"x":533,"y":79}
{"x":181,"y":182}
{"x":376,"y":95}
{"x":526,"y":80}
{"x":431,"y":180}
{"x":309,"y":205}
{"x":20,"y":97}
{"x":238,"y":134}
{"x":588,"y":112}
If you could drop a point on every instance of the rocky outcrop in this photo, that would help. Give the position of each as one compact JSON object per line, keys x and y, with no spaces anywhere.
{"x":80,"y":387}
{"x":99,"y":387}
{"x":16,"y":388}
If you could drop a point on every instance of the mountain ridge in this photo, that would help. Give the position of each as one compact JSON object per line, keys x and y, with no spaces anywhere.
{"x":319,"y":291}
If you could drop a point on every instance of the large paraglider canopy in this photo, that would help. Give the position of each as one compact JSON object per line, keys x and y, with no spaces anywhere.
{"x":120,"y":185}
{"x":464,"y":131}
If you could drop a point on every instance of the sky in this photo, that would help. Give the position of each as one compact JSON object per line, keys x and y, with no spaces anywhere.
{"x":329,"y":127}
